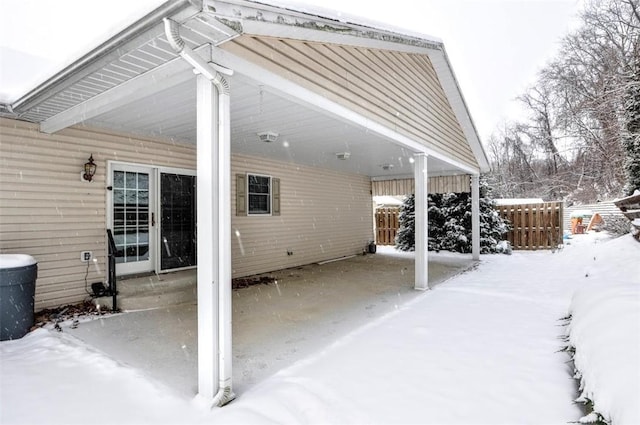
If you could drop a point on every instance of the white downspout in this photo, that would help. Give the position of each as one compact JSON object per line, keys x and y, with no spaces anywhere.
{"x":214,"y":73}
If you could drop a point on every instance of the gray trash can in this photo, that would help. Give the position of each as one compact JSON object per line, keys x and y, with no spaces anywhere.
{"x":18,"y":274}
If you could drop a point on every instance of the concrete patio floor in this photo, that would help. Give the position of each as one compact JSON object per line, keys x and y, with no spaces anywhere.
{"x":274,"y":325}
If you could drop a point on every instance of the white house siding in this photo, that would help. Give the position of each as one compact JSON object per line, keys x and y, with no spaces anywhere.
{"x":47,"y":211}
{"x":437,"y":184}
{"x":324,"y":215}
{"x":396,"y":89}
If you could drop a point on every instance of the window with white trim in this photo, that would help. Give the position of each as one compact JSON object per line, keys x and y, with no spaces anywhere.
{"x":258,"y":194}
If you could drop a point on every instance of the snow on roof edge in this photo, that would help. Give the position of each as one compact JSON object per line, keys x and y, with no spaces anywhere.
{"x":581,"y":213}
{"x":345,"y":18}
{"x":518,"y":201}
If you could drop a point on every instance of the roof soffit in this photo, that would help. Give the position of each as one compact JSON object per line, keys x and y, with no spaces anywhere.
{"x":144,"y":30}
{"x":145,"y":54}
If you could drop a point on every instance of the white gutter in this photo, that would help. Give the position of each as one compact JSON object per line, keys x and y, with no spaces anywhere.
{"x":210,"y":70}
{"x":214,"y":73}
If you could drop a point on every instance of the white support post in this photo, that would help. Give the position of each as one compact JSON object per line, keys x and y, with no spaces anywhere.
{"x":208,"y":236}
{"x":214,"y":222}
{"x":421,"y":222}
{"x":475,"y":216}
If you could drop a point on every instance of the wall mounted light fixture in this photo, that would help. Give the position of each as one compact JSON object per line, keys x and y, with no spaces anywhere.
{"x":89,"y":169}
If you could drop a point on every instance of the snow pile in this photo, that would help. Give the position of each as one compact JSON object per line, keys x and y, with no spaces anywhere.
{"x":53,"y":378}
{"x":504,"y":247}
{"x":11,"y":261}
{"x":605,"y":333}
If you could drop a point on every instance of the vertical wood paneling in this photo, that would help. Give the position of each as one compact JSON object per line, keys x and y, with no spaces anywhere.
{"x":387,"y":225}
{"x":534,"y":226}
{"x":47,"y":211}
{"x":398,"y":90}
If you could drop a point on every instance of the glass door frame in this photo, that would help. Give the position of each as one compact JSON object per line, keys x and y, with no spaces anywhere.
{"x":136,"y":266}
{"x":158,"y":247}
{"x":153,"y":264}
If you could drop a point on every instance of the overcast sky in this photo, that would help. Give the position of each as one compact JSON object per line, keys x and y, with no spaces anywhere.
{"x":495,"y":46}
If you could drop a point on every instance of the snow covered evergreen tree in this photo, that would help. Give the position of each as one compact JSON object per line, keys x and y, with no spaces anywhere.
{"x":450,"y":222}
{"x":437,"y":220}
{"x":456,"y":234}
{"x":406,"y":236}
{"x":492,"y":226}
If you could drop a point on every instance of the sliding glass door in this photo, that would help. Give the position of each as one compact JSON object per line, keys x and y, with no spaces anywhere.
{"x":153,"y":218}
{"x":178,"y":221}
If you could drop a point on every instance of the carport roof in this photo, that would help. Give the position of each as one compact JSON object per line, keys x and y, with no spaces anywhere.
{"x":137,"y":68}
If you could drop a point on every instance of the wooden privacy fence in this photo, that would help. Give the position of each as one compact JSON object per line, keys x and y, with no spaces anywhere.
{"x":386,"y":225}
{"x":534,"y":226}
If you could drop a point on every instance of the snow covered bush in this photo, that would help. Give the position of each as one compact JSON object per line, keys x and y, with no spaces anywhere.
{"x":504,"y":247}
{"x":406,"y":236}
{"x":616,"y":226}
{"x":604,"y":335}
{"x":450,"y":222}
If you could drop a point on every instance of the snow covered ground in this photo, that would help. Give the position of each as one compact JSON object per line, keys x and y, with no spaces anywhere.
{"x":480,"y":348}
{"x":605,"y":333}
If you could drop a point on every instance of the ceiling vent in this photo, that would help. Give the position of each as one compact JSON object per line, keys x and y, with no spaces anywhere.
{"x":268,"y":136}
{"x":343,"y":155}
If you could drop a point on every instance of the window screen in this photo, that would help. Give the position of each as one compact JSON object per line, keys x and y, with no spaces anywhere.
{"x":259,"y":191}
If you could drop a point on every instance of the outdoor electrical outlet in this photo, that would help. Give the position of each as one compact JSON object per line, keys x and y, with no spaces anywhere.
{"x":85,"y":256}
{"x":289,"y":252}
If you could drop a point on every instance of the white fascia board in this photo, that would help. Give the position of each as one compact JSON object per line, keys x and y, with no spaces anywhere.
{"x":307,"y":15}
{"x":302,"y":96}
{"x":450,"y":85}
{"x":164,"y":76}
{"x":268,"y":29}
